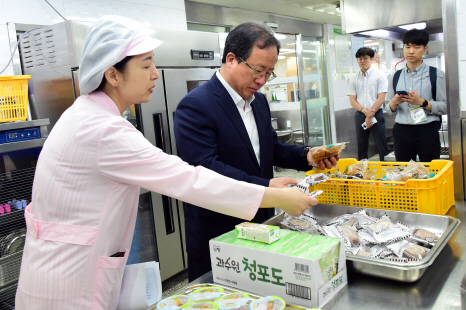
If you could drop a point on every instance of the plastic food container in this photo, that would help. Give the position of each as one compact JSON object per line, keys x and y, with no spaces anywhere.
{"x":404,"y":272}
{"x":433,"y":196}
{"x":14,"y":98}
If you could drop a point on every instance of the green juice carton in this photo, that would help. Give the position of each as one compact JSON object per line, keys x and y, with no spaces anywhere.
{"x":303,"y":269}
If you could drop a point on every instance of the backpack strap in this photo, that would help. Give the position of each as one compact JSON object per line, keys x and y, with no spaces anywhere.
{"x":433,"y":81}
{"x":396,"y":77}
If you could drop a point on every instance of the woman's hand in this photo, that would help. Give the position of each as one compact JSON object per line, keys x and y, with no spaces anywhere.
{"x":282,"y":182}
{"x":291,"y":200}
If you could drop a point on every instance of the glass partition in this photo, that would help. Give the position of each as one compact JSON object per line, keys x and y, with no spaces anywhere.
{"x":284,"y":94}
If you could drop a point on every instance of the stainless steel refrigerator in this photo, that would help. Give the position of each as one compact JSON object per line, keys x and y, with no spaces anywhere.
{"x":185,"y":60}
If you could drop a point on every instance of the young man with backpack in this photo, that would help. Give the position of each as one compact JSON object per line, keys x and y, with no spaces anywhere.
{"x":367,"y":91}
{"x":417,"y":94}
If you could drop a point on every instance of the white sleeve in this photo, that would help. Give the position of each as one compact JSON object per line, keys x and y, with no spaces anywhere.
{"x":382,"y":85}
{"x":352,"y":86}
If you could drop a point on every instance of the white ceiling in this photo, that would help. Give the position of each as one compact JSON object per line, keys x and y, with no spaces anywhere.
{"x":319,"y":11}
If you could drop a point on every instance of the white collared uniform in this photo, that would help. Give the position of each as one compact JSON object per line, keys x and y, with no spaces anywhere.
{"x":367,"y":87}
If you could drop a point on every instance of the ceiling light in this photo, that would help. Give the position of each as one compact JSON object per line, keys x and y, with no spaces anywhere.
{"x":414,"y":26}
{"x":281,"y":57}
{"x":376,"y":33}
{"x":279,"y":36}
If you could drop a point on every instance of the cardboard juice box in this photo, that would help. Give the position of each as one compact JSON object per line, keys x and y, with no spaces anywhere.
{"x":301,"y":268}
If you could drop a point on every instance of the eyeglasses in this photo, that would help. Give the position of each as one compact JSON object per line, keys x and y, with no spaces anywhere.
{"x":257,"y":74}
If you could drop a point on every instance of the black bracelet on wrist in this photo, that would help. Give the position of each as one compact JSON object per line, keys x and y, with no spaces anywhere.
{"x":361,"y":109}
{"x":304,"y":153}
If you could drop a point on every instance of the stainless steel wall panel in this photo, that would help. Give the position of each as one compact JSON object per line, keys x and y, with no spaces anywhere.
{"x":76,"y":32}
{"x":453,"y":99}
{"x":53,"y":92}
{"x":220,"y":15}
{"x":169,"y":247}
{"x":44,"y":48}
{"x":357,"y":16}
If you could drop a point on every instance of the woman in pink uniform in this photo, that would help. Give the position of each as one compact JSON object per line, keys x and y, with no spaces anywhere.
{"x":87,"y":180}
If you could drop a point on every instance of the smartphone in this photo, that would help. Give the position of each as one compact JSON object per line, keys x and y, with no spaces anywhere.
{"x":118,"y":254}
{"x":402,"y":92}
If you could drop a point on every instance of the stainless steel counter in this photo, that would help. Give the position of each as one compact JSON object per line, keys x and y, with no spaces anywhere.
{"x":438,"y":288}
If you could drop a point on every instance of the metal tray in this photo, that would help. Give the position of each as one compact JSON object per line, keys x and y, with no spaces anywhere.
{"x":404,"y":272}
{"x":228,"y":290}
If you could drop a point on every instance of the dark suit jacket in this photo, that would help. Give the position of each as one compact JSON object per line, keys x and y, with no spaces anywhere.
{"x":210,"y":132}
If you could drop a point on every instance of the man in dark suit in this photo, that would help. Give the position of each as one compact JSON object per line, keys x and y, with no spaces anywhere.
{"x":225,"y":125}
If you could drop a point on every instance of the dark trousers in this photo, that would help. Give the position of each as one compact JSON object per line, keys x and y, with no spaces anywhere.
{"x":416,"y":140}
{"x":378,"y":134}
{"x":198,"y":266}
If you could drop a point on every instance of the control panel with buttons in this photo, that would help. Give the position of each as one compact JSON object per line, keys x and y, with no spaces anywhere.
{"x":18,"y":135}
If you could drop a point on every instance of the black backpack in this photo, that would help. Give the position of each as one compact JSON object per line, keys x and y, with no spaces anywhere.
{"x":433,"y":80}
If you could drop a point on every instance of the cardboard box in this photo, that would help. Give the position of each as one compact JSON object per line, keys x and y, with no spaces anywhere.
{"x":303,"y":269}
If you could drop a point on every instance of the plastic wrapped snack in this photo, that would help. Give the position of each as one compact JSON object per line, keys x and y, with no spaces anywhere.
{"x":385,"y":232}
{"x":413,"y":170}
{"x":361,"y":218}
{"x":359,"y":171}
{"x":350,"y":235}
{"x":311,"y":180}
{"x":258,"y":232}
{"x":338,"y":220}
{"x":268,"y":303}
{"x":325,"y":151}
{"x":424,"y":236}
{"x":209,"y":292}
{"x":421,"y":235}
{"x":408,"y":250}
{"x":232,"y":301}
{"x":174,"y":302}
{"x":201,"y":305}
{"x":302,"y":223}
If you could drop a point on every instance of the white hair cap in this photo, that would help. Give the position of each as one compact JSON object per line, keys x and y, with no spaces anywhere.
{"x":107,"y":42}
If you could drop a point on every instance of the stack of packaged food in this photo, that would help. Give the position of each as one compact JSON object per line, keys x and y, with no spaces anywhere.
{"x":369,"y":236}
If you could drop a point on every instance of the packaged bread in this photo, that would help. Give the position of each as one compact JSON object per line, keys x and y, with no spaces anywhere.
{"x":359,"y":170}
{"x":325,"y":151}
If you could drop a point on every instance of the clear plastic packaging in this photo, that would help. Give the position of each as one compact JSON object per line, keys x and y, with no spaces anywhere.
{"x":174,"y":302}
{"x":325,"y":151}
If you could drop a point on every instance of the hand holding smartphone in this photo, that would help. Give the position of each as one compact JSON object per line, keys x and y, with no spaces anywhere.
{"x":402,"y":93}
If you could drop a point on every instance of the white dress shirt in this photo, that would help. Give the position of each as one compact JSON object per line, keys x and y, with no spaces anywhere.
{"x":247,"y":115}
{"x":367,"y":87}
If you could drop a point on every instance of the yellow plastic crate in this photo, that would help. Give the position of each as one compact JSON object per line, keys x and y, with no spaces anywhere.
{"x":14,"y":98}
{"x":433,"y":196}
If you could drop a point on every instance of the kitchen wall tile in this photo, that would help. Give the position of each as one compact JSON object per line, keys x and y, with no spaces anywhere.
{"x":36,"y":12}
{"x":172,"y":4}
{"x":8,"y":71}
{"x":86,"y":10}
{"x":164,"y":18}
{"x":84,"y":3}
{"x":139,"y":12}
{"x":2,"y":12}
{"x":462,"y":48}
{"x":5,"y":53}
{"x":460,"y":6}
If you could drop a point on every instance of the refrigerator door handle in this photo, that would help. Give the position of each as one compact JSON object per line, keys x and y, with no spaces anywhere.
{"x":166,"y":201}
